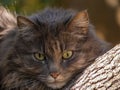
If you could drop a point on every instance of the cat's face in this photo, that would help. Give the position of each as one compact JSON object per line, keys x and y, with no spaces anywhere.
{"x":47,"y":57}
{"x":51,"y":62}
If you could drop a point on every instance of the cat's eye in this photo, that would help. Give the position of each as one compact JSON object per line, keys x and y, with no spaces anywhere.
{"x":67,"y":54}
{"x":39,"y":56}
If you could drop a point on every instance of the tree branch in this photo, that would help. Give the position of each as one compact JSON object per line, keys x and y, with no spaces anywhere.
{"x":103,"y":74}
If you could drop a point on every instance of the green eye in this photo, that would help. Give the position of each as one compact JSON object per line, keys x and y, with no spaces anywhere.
{"x":39,"y":56}
{"x":67,"y":54}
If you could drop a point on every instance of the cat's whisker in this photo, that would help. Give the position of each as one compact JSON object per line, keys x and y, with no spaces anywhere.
{"x":41,"y":78}
{"x":29,"y":82}
{"x":24,"y":84}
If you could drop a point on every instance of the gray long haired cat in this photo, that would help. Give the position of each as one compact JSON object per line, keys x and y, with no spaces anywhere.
{"x":47,"y":50}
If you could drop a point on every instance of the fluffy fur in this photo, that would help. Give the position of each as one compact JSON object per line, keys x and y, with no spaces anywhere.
{"x":7,"y":21}
{"x":50,"y":32}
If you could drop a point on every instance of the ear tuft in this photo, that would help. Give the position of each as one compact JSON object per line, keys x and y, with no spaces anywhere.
{"x":23,"y":22}
{"x":80,"y":22}
{"x":81,"y":19}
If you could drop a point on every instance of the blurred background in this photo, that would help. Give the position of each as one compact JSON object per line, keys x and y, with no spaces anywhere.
{"x":104,"y":14}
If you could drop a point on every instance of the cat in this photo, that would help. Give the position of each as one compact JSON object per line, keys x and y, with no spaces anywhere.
{"x":47,"y":50}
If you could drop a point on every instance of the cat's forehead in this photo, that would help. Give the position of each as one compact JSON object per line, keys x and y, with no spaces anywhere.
{"x":52,"y":24}
{"x":60,"y":42}
{"x":53,"y":17}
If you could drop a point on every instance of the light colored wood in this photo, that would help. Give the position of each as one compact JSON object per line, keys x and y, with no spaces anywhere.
{"x":103,"y":74}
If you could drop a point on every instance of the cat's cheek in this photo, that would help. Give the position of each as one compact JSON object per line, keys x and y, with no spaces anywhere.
{"x":77,"y":65}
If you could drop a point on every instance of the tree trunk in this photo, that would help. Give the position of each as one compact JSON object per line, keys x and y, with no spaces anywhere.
{"x":103,"y":74}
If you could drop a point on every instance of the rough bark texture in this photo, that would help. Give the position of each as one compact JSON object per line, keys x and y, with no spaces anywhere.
{"x":103,"y":74}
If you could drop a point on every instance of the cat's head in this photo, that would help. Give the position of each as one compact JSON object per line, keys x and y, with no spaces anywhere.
{"x":53,"y":54}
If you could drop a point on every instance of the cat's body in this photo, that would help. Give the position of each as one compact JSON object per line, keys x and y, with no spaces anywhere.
{"x":48,"y":50}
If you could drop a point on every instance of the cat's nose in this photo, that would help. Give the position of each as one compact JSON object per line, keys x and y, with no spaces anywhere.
{"x":54,"y":74}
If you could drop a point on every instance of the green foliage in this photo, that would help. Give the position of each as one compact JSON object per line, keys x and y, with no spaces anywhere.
{"x":28,"y":6}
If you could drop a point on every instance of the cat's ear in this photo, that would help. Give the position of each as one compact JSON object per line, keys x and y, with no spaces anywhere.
{"x":24,"y":22}
{"x":80,"y":21}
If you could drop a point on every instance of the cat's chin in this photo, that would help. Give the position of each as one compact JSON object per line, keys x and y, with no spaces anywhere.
{"x":56,"y":85}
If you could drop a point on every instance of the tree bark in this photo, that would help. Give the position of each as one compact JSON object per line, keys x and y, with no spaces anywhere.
{"x":103,"y":74}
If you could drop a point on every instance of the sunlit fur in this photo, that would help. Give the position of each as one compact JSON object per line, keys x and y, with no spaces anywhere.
{"x":51,"y":32}
{"x":7,"y":21}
